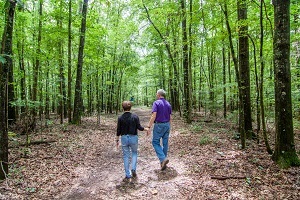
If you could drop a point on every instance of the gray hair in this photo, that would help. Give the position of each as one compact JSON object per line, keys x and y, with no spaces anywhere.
{"x":161,"y":92}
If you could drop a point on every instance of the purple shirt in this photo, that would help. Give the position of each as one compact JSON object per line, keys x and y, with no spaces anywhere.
{"x":163,"y":110}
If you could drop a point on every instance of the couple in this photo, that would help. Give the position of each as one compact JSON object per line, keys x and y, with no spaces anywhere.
{"x":129,"y":123}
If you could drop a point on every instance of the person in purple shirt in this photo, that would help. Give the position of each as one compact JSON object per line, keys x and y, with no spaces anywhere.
{"x":161,"y":118}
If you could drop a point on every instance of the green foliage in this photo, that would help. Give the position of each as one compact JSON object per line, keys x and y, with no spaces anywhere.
{"x":2,"y":59}
{"x":233,"y":116}
{"x":11,"y":135}
{"x":205,"y":140}
{"x":248,"y":180}
{"x":27,"y":103}
{"x":16,"y":171}
{"x":125,"y":56}
{"x":196,"y":127}
{"x":25,"y":151}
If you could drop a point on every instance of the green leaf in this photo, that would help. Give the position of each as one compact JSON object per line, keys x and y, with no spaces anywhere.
{"x":2,"y":59}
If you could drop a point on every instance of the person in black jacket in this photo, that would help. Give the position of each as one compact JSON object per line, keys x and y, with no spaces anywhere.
{"x":128,"y":124}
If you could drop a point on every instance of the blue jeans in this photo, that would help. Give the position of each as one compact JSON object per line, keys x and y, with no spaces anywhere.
{"x":161,"y":132}
{"x":129,"y":148}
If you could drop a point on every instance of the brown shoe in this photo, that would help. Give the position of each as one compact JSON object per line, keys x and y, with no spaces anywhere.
{"x":133,"y":173}
{"x":127,"y":180}
{"x":164,"y":164}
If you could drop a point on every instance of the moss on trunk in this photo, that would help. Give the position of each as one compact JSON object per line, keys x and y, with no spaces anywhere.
{"x":287,"y":159}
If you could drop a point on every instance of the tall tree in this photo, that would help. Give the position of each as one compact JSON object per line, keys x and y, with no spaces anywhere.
{"x":244,"y":71}
{"x":37,"y":65}
{"x":62,"y":87}
{"x":173,"y":83}
{"x":285,"y":153}
{"x":235,"y":62}
{"x":224,"y":81}
{"x":69,"y":101}
{"x":8,"y":51}
{"x":10,"y":87}
{"x":5,"y":66}
{"x":78,"y":103}
{"x":186,"y":72}
{"x":20,"y":35}
{"x":261,"y":87}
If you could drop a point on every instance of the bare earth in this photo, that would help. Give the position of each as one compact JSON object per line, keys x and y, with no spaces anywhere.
{"x":206,"y":162}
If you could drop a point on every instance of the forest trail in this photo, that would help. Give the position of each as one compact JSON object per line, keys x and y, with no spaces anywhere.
{"x":103,"y":178}
{"x":206,"y":162}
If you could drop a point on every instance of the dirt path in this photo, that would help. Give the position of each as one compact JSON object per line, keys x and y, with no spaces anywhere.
{"x":103,"y":178}
{"x":206,"y":162}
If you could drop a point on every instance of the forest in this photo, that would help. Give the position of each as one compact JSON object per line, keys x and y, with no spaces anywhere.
{"x":231,"y":69}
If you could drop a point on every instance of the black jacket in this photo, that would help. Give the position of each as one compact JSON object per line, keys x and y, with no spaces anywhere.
{"x":128,"y":123}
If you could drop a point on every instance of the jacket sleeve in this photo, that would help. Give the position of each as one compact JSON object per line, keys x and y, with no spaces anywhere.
{"x":138,"y":124}
{"x":119,"y":127}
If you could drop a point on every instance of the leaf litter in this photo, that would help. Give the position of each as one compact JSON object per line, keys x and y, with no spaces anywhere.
{"x":206,"y":162}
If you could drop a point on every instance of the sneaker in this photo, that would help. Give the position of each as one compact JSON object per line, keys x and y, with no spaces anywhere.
{"x":164,"y":164}
{"x":127,"y":180}
{"x":133,"y":173}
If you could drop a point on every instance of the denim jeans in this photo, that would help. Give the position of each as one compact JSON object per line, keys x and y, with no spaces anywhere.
{"x":161,"y":133}
{"x":129,"y":148}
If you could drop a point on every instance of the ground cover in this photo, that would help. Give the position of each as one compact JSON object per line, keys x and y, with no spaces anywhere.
{"x":206,"y":162}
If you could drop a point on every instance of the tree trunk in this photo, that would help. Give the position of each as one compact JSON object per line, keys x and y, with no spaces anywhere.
{"x":186,"y":73}
{"x":200,"y":79}
{"x":6,"y":51}
{"x":47,"y":104}
{"x":20,"y":48}
{"x":69,"y":99}
{"x":78,"y":104}
{"x":261,"y":87}
{"x":285,"y":153}
{"x":61,"y":71}
{"x":256,"y":88}
{"x":231,"y":99}
{"x":161,"y":69}
{"x":237,"y":74}
{"x":190,"y":56}
{"x":224,"y":81}
{"x":244,"y":71}
{"x":98,"y":96}
{"x":37,"y":67}
{"x":102,"y":91}
{"x":111,"y":87}
{"x":89,"y":95}
{"x":10,"y":91}
{"x":211,"y":80}
{"x":174,"y":78}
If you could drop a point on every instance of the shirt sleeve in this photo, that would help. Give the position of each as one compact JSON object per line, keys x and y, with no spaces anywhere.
{"x":119,"y":127}
{"x":154,"y":107}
